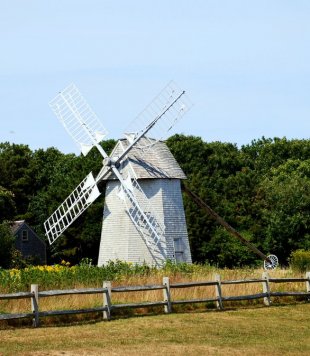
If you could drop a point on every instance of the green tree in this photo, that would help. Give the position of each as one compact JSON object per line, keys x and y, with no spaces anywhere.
{"x":264,"y":154}
{"x":7,"y":205}
{"x":261,"y":189}
{"x":15,"y":174}
{"x":7,"y":245}
{"x":217,"y":174}
{"x":286,"y":206}
{"x":224,"y":250}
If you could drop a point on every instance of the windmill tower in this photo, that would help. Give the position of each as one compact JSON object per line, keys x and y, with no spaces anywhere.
{"x":143,"y":215}
{"x":159,"y":177}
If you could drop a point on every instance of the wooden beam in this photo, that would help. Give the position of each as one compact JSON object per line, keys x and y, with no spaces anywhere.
{"x":195,"y":198}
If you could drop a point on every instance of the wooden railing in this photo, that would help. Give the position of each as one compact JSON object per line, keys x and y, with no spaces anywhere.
{"x":107,"y":307}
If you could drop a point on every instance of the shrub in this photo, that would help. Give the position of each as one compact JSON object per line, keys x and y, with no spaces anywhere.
{"x":300,"y":260}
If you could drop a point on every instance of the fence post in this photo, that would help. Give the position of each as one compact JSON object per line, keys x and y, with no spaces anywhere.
{"x":308,"y":284}
{"x":35,"y":304}
{"x":107,"y":300}
{"x":266,"y":288}
{"x":218,"y":291}
{"x":167,"y":296}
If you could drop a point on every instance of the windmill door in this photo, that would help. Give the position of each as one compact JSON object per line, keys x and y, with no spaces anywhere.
{"x":179,"y":250}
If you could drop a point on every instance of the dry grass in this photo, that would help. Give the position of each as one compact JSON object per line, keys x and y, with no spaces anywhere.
{"x":280,"y":330}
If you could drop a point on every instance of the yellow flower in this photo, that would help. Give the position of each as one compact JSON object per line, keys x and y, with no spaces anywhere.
{"x":14,"y":272}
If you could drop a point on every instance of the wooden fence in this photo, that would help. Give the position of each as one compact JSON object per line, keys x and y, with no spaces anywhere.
{"x":108,"y":307}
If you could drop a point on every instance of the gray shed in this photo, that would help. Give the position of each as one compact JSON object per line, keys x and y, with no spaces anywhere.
{"x":28,"y":242}
{"x":159,"y":176}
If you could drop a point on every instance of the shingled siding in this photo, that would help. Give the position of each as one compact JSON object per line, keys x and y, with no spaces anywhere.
{"x":121,"y":240}
{"x":175,"y":221}
{"x":154,"y":162}
{"x":33,"y":246}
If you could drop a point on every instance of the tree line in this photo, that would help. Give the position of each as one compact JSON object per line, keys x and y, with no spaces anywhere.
{"x":262,"y":189}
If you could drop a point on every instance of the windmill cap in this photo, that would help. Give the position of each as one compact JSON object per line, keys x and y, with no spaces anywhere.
{"x":149,"y":159}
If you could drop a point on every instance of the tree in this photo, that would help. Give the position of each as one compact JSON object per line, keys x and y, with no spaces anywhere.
{"x":15,"y":173}
{"x":7,"y":245}
{"x":264,"y":154}
{"x":7,"y":205}
{"x":261,"y":189}
{"x":217,"y":174}
{"x":286,"y":206}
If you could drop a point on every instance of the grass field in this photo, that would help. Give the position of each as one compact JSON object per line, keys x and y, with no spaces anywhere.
{"x":277,"y":330}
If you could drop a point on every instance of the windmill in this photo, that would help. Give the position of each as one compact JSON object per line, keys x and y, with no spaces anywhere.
{"x":144,"y":218}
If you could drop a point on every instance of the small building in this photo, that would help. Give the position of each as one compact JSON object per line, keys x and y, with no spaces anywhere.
{"x":28,"y":242}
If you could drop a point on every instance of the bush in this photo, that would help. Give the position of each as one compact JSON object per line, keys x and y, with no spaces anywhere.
{"x":300,"y":260}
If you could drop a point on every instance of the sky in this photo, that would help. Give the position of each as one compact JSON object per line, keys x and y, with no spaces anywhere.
{"x":245,"y":65}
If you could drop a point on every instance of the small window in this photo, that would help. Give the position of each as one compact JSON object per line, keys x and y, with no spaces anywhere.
{"x":25,"y":235}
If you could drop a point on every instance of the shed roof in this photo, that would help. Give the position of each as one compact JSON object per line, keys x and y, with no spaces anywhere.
{"x":153,"y":161}
{"x":16,"y":225}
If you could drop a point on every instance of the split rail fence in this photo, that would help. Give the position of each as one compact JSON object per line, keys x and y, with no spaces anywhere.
{"x":108,"y":307}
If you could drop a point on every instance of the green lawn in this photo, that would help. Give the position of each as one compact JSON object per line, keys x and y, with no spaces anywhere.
{"x":277,"y":330}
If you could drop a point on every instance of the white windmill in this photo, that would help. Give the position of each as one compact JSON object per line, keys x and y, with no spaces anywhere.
{"x":144,"y":218}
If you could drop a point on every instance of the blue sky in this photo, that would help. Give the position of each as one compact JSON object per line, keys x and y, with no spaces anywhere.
{"x":244,"y":64}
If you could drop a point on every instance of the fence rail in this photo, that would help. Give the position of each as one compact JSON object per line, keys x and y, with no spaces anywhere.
{"x":34,"y":295}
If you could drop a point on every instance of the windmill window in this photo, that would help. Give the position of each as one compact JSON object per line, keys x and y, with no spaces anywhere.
{"x":25,"y":235}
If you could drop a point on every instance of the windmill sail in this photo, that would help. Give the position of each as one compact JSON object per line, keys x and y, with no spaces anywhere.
{"x":139,"y":210}
{"x":167,"y":109}
{"x":77,"y":202}
{"x":86,"y":130}
{"x":78,"y":118}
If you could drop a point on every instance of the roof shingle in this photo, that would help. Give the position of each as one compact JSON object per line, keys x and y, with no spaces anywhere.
{"x":155,"y":161}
